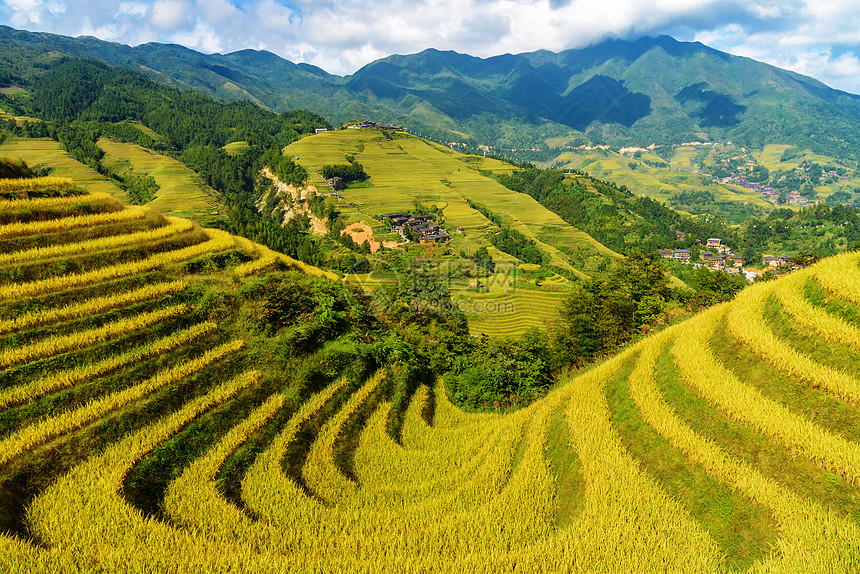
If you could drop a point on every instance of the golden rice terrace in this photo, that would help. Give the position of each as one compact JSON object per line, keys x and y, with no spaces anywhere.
{"x":147,"y":424}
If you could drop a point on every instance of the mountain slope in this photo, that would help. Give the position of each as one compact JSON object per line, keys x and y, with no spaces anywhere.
{"x":652,"y":90}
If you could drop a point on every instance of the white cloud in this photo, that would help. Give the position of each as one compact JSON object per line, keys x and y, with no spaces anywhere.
{"x":55,"y":8}
{"x":216,"y":10}
{"x":203,"y":37}
{"x":817,"y":37}
{"x":26,"y":12}
{"x":169,"y":15}
{"x":132,"y":9}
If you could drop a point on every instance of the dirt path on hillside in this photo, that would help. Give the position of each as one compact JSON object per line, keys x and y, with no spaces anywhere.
{"x":361,"y":232}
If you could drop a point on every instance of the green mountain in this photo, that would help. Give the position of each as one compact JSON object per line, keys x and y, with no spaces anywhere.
{"x":652,"y":90}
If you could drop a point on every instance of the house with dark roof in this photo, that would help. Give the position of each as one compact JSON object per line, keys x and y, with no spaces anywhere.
{"x":423,"y":226}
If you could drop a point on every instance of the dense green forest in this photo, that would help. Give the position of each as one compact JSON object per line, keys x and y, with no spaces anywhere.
{"x":601,"y":315}
{"x":613,"y":215}
{"x":349,"y":172}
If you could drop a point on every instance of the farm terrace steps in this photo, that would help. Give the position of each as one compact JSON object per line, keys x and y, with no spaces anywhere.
{"x":677,"y":457}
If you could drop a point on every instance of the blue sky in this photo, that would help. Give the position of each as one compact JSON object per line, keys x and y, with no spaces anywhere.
{"x":820,"y":38}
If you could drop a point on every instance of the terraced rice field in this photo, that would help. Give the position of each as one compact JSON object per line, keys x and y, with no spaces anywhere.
{"x":770,"y":157}
{"x":657,"y":183}
{"x":181,"y":192}
{"x":510,"y":315}
{"x":5,"y":116}
{"x":49,"y":152}
{"x":506,"y":306}
{"x":725,"y":443}
{"x":234,"y":148}
{"x":405,"y":169}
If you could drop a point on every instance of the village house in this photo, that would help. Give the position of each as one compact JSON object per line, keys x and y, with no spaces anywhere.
{"x":737,"y":260}
{"x":714,"y":242}
{"x":772,"y":261}
{"x":666,"y":253}
{"x":680,"y":235}
{"x":434,"y":238}
{"x":717,"y":263}
{"x":682,"y":255}
{"x":422,"y":226}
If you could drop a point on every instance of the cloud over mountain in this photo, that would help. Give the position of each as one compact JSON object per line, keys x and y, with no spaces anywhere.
{"x":819,"y":39}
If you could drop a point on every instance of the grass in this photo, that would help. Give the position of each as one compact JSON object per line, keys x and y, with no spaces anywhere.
{"x":772,"y":460}
{"x":565,"y":467}
{"x":771,"y":156}
{"x":498,"y":314}
{"x":683,"y":157}
{"x":156,"y":137}
{"x":591,"y":512}
{"x":235,"y":148}
{"x":4,"y":115}
{"x":180,"y":193}
{"x":506,"y":306}
{"x":825,"y":410}
{"x":404,"y":170}
{"x":816,"y":347}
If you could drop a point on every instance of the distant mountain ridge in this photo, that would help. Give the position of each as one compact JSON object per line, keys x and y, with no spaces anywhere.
{"x":651,"y":90}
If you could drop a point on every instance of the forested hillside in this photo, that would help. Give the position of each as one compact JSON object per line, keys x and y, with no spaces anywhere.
{"x":81,"y":101}
{"x":625,"y":222}
{"x":651,"y":90}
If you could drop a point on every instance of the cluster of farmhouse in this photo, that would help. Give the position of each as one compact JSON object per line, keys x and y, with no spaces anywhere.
{"x":373,"y":125}
{"x":421,"y":227}
{"x":792,"y":197}
{"x":719,"y":257}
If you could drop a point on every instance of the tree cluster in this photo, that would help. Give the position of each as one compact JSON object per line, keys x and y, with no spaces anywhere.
{"x":84,"y":100}
{"x":350,"y":172}
{"x":516,"y":244}
{"x":601,"y":315}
